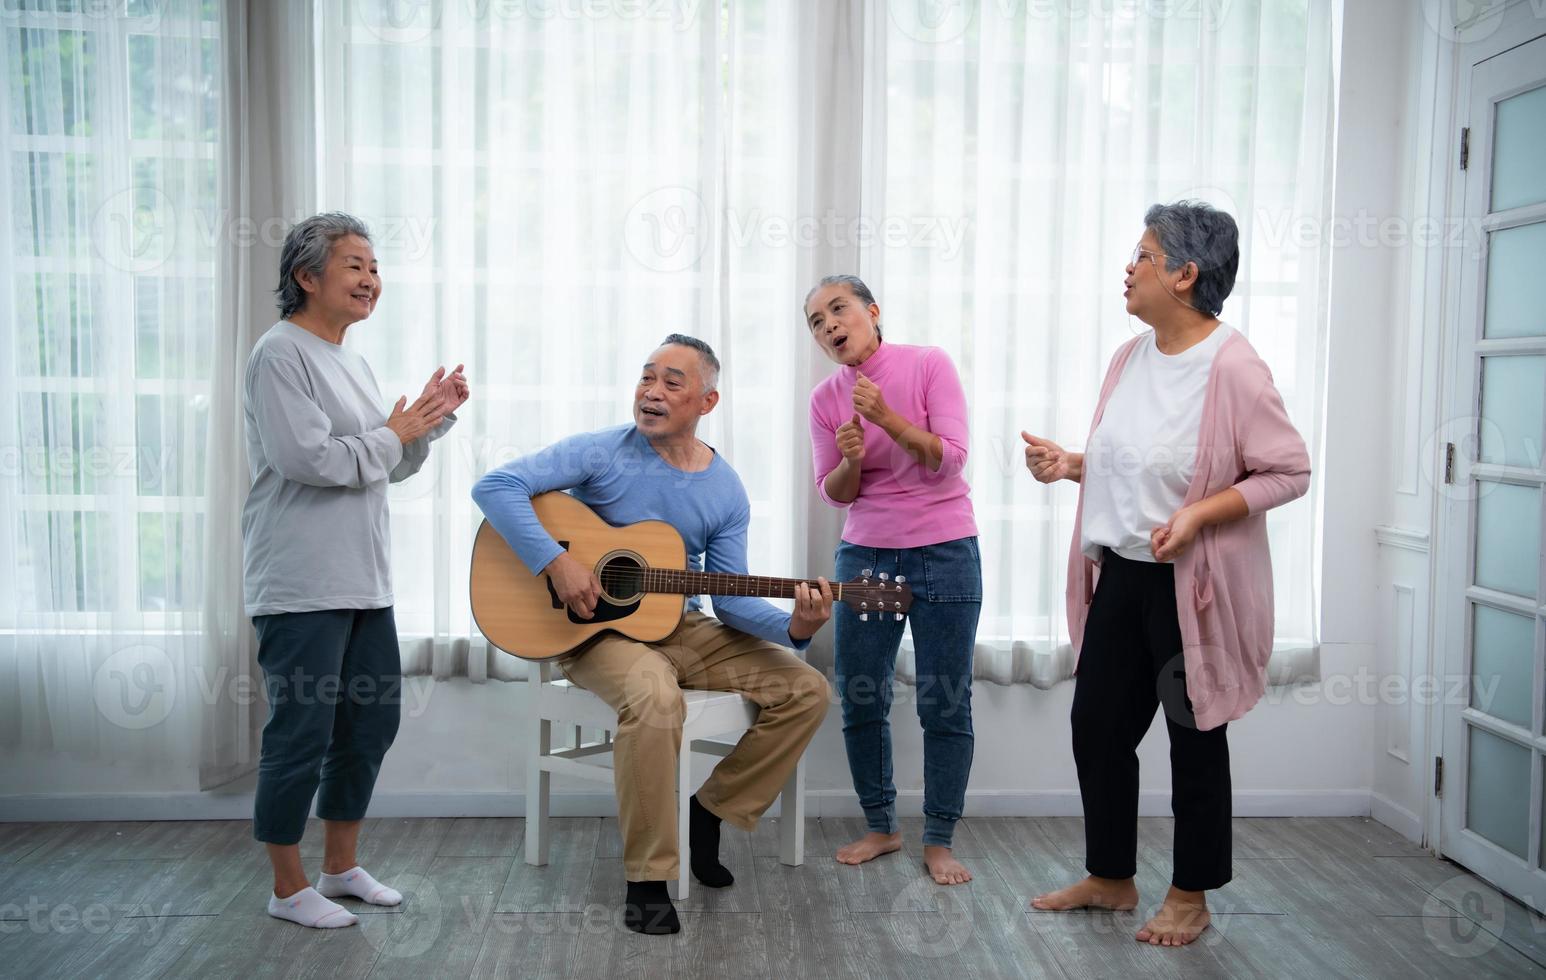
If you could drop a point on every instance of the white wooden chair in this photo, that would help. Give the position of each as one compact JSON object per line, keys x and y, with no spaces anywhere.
{"x":711,"y":717}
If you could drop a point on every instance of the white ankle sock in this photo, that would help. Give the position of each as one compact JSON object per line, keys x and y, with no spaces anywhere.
{"x":310,"y":909}
{"x":358,"y":882}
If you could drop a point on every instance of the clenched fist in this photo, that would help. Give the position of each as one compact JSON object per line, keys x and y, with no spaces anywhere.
{"x":869,"y":402}
{"x":850,"y":440}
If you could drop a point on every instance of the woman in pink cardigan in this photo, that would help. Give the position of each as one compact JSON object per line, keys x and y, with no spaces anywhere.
{"x":1170,"y":580}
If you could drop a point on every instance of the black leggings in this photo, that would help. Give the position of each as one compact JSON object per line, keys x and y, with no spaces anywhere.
{"x":1130,"y":663}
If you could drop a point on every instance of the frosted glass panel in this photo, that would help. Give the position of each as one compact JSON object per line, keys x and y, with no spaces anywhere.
{"x":1513,"y":404}
{"x":1497,"y":799}
{"x":1516,"y":258}
{"x":1518,"y":147}
{"x":1502,"y":664}
{"x":1508,"y":537}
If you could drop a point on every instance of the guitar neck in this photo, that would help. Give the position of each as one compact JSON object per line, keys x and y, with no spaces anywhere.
{"x":685,"y":582}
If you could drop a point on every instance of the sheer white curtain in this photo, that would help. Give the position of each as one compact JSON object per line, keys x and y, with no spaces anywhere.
{"x":551,"y":193}
{"x":553,"y":189}
{"x":108,"y":190}
{"x":266,"y":177}
{"x":1015,"y":153}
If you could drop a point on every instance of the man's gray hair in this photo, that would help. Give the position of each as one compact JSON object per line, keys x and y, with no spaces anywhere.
{"x":708,"y":364}
{"x":308,"y":246}
{"x":1193,"y":231}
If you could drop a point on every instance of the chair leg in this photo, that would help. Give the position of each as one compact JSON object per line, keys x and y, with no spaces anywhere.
{"x":791,"y":818}
{"x":537,"y":786}
{"x":678,"y":888}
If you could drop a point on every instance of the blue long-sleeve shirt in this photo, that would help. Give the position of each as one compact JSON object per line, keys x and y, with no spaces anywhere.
{"x":619,"y":475}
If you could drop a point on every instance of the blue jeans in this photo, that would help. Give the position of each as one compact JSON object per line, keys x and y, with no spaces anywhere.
{"x":946,"y":580}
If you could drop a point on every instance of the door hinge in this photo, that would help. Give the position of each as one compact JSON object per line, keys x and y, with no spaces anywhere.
{"x":1438,"y":776}
{"x":1465,"y":146}
{"x":1449,"y":462}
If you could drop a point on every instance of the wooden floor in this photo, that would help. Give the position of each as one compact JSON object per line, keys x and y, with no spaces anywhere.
{"x":1311,"y":898}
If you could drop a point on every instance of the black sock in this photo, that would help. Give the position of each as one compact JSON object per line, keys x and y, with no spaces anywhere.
{"x":703,"y":839}
{"x":648,"y":909}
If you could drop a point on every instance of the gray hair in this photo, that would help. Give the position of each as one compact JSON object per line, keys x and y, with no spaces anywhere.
{"x":708,"y":364}
{"x":854,"y":283}
{"x":1193,"y":231}
{"x":308,"y":246}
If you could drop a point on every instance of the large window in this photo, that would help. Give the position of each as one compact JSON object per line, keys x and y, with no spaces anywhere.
{"x":549,"y":195}
{"x":555,"y":193}
{"x":111,"y":119}
{"x":555,"y":187}
{"x":1024,"y":142}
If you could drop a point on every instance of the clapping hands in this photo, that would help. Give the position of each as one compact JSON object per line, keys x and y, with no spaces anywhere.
{"x":448,"y":391}
{"x":443,"y":394}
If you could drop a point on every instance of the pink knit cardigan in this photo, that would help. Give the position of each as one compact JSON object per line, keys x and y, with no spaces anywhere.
{"x":1224,"y":580}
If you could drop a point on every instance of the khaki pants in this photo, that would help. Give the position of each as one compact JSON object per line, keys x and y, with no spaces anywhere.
{"x":643,"y":682}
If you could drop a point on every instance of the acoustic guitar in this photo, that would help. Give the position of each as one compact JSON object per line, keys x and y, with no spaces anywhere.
{"x":644,"y":576}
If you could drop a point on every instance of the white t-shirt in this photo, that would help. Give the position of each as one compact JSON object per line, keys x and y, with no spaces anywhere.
{"x":1141,"y":457}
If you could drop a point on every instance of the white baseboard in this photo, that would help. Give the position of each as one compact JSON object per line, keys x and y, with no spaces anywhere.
{"x":819,"y":803}
{"x":1151,"y":803}
{"x":238,"y":806}
{"x":1396,"y":817}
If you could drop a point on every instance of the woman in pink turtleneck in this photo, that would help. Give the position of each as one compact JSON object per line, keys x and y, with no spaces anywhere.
{"x":888,"y":435}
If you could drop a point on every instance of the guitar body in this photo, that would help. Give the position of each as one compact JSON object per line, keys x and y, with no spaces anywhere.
{"x":521,"y":614}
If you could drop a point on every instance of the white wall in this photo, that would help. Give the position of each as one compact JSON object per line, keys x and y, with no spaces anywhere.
{"x":460,"y":749}
{"x":1376,"y":586}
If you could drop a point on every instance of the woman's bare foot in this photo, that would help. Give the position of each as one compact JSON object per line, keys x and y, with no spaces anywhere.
{"x":1180,"y":920}
{"x":943,"y":867}
{"x":869,"y":847}
{"x":1117,"y":894}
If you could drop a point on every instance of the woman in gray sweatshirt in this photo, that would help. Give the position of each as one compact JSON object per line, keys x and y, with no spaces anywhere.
{"x":318,"y":576}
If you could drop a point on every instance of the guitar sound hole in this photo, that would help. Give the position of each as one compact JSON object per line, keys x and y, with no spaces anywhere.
{"x":622,"y":578}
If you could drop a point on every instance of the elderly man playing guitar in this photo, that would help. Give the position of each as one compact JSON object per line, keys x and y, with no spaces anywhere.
{"x":657,"y":469}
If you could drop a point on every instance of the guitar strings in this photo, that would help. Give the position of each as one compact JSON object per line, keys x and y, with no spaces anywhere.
{"x":630,"y":575}
{"x":636,"y":580}
{"x":616,"y":579}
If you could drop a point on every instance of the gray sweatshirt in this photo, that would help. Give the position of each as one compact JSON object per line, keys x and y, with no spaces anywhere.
{"x":315,"y":530}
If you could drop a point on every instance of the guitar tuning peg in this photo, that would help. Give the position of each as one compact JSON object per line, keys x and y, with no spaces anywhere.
{"x":864,"y":617}
{"x":884,"y":576}
{"x":898,"y":616}
{"x":867,"y":573}
{"x":900,"y":579}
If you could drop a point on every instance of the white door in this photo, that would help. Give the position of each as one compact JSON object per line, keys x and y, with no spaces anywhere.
{"x":1492,"y":580}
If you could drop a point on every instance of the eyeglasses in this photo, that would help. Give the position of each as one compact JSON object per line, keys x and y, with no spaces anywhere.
{"x":1140,"y":252}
